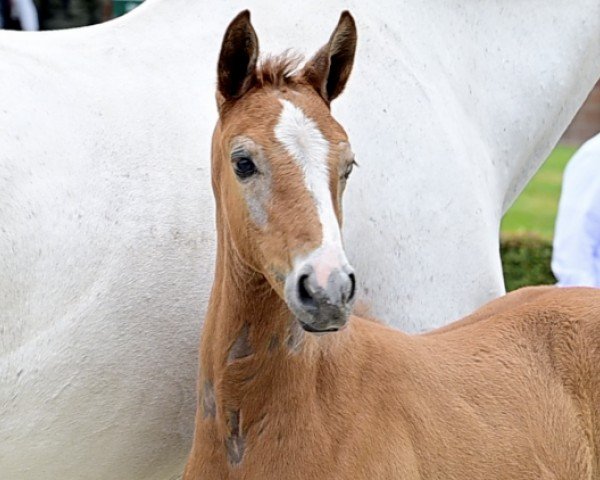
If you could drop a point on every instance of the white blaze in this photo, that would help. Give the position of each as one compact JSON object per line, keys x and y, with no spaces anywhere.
{"x":305,"y":143}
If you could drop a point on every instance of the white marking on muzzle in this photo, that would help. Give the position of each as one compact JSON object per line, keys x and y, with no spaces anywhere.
{"x":305,"y":143}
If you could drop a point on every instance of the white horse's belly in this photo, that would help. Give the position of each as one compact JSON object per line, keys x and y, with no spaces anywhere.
{"x":98,"y":365}
{"x":99,"y":380}
{"x":107,"y":259}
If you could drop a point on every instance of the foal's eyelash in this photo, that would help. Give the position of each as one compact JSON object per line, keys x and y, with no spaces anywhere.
{"x":239,"y":152}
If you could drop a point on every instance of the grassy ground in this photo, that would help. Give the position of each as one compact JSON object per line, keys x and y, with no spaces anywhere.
{"x":535,"y":209}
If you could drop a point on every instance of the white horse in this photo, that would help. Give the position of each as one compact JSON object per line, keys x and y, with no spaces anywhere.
{"x":106,"y":216}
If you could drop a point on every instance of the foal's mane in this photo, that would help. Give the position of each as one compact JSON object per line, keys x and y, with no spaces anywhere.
{"x":278,"y":70}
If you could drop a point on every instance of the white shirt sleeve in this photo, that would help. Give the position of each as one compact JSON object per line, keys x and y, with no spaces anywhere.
{"x":576,"y":251}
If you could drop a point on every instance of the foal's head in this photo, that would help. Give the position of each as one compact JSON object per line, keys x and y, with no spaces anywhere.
{"x":280,"y":164}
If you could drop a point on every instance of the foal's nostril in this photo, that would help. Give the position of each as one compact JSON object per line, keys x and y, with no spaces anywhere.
{"x":337,"y":293}
{"x":352,"y":287}
{"x":303,"y":291}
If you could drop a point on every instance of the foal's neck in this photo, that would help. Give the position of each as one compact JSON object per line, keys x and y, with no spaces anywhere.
{"x":246,"y":317}
{"x":251,"y":344}
{"x":268,"y":389}
{"x":255,"y":358}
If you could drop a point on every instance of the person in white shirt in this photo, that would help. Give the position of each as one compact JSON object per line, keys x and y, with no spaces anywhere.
{"x":23,"y":10}
{"x":26,"y":12}
{"x":576,"y":253}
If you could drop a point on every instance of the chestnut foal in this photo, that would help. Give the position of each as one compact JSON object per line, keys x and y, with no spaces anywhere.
{"x":511,"y":392}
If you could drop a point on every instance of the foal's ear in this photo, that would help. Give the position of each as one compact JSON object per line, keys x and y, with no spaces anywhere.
{"x":237,"y":60}
{"x":329,"y":69}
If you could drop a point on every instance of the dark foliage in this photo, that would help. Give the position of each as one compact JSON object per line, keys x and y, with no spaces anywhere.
{"x":526,"y":261}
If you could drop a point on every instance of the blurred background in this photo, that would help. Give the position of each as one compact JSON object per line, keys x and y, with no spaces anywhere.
{"x":58,"y":14}
{"x":528,"y":227}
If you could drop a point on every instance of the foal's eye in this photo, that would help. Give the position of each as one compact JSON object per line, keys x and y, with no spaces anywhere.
{"x":348,"y":170}
{"x":244,"y":167}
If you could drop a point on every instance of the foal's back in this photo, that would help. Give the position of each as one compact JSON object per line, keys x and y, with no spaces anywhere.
{"x":517,"y":385}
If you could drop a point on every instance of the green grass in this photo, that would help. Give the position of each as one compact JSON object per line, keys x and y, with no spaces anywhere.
{"x":535,"y":209}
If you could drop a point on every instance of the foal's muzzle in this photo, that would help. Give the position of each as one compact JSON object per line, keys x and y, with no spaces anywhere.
{"x":321,"y":304}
